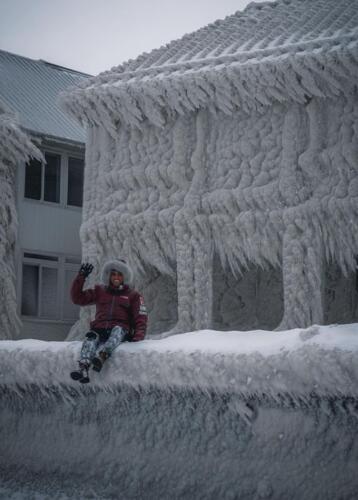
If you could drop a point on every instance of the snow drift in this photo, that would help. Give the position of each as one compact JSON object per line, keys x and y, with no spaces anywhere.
{"x":200,"y":415}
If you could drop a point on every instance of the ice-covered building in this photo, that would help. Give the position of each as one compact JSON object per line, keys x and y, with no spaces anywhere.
{"x":45,"y":198}
{"x":224,"y":167}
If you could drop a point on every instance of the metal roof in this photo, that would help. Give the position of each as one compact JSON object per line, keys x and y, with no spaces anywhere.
{"x":30,"y":89}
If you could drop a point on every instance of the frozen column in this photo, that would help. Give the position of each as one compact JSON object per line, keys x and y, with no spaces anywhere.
{"x":15,"y":147}
{"x":301,"y":243}
{"x":194,"y":271}
{"x":185,"y":275}
{"x":193,"y":242}
{"x":203,"y":274}
{"x":302,"y":270}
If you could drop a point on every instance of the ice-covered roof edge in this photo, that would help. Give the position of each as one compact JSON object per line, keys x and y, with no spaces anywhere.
{"x":43,"y":139}
{"x":16,"y":143}
{"x":252,"y":84}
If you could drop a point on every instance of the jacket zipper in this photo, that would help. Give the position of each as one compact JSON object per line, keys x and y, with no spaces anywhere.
{"x":110,"y":312}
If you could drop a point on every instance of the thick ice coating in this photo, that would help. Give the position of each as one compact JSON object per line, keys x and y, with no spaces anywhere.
{"x":224,"y":167}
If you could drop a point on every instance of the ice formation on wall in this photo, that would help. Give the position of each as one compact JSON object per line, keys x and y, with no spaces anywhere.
{"x":235,"y":144}
{"x":214,"y":415}
{"x":15,"y":146}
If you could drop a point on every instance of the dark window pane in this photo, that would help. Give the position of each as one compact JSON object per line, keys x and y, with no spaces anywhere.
{"x":70,"y":310}
{"x":75,"y":182}
{"x":30,"y":287}
{"x":33,"y":180}
{"x":52,"y":178}
{"x":49,"y":293}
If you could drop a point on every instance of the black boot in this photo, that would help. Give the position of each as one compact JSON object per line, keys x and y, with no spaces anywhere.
{"x":82,"y":373}
{"x":97,"y":363}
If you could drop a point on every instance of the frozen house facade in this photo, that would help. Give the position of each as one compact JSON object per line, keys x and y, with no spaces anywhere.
{"x":42,"y":161}
{"x":223,"y":166}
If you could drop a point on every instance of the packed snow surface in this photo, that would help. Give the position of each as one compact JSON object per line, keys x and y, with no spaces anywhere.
{"x":319,"y":358}
{"x":200,"y":415}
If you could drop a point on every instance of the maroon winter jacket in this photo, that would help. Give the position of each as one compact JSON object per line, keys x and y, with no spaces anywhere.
{"x":114,"y":307}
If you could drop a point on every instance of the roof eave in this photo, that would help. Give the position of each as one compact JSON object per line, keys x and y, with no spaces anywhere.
{"x":248,"y":85}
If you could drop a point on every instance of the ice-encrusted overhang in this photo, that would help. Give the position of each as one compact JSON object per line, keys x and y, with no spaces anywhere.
{"x":324,"y":69}
{"x":15,"y":146}
{"x":200,"y":415}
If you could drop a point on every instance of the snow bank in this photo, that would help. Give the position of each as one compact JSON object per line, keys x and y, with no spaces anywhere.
{"x":204,"y":414}
{"x":297,"y":362}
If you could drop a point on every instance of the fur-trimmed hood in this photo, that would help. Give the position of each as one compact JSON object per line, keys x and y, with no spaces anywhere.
{"x":118,"y":265}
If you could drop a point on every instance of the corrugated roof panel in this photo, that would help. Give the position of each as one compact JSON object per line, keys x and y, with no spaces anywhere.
{"x":30,"y":88}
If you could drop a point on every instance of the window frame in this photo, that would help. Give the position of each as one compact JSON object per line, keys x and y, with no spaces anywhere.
{"x":67,"y":267}
{"x":66,"y":177}
{"x":62,"y":266}
{"x":64,"y":174}
{"x":40,"y":263}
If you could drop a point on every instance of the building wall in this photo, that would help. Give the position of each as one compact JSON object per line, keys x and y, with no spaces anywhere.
{"x":275,"y":188}
{"x":48,"y":257}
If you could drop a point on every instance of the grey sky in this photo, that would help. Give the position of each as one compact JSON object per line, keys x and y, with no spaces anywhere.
{"x":94,"y":35}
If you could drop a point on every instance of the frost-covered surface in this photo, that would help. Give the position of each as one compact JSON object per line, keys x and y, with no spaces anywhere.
{"x":201,"y":415}
{"x":231,"y":150}
{"x":15,"y":146}
{"x":317,"y":359}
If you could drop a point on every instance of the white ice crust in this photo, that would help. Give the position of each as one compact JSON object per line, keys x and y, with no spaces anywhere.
{"x":200,"y":415}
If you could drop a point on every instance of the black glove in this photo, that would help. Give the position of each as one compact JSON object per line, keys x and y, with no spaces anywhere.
{"x":85,"y":270}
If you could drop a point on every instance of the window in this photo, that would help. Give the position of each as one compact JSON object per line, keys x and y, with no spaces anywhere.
{"x":46,"y":282}
{"x":75,"y":182}
{"x":70,"y":310}
{"x":30,"y":290}
{"x":42,"y":182}
{"x":39,"y":290}
{"x":72,"y":264}
{"x":52,"y":178}
{"x":59,"y":181}
{"x":33,"y":180}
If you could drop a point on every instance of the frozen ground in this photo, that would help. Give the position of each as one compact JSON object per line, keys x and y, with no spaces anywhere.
{"x":202,"y":415}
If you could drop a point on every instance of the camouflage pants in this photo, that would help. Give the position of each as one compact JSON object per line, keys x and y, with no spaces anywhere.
{"x":93,"y":343}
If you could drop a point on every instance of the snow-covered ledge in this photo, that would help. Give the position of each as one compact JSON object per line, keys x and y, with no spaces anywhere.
{"x":203,"y":414}
{"x":320,"y":359}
